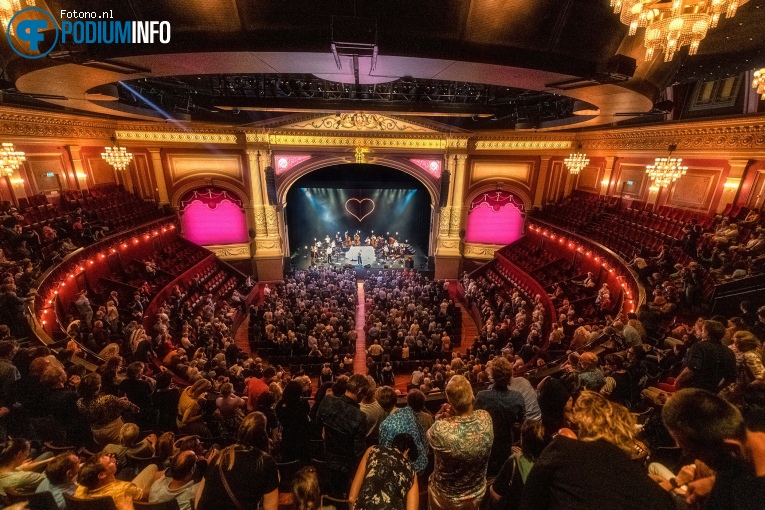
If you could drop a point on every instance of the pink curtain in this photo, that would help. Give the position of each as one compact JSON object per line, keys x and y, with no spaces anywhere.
{"x":495,"y":218}
{"x":213,"y":216}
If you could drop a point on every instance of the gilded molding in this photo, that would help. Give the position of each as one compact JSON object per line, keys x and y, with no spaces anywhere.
{"x":329,"y":140}
{"x":732,"y":134}
{"x":260,"y":221}
{"x":266,"y":245}
{"x":357,"y":122}
{"x":480,"y":251}
{"x":175,"y":137}
{"x":521,"y":145}
{"x":230,"y":251}
{"x":271,"y":221}
{"x":456,"y":221}
{"x":444,"y":220}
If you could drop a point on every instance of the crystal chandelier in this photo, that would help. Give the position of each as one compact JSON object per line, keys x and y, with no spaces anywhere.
{"x":10,"y":159}
{"x":759,"y":82}
{"x":10,"y":7}
{"x":118,"y":157}
{"x":667,"y":170}
{"x":576,"y":161}
{"x":670,"y":25}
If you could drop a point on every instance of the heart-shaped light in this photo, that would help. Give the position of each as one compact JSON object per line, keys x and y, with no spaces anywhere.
{"x":359,"y":206}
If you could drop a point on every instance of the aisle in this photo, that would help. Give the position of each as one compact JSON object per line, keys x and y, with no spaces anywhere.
{"x":469,"y":329}
{"x":242,"y":335}
{"x":360,"y":360}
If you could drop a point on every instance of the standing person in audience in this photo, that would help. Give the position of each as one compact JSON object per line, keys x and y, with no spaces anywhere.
{"x":385,"y":479}
{"x":243,"y":475}
{"x":507,"y":410}
{"x":344,"y":432}
{"x":461,"y":440}
{"x":60,"y":474}
{"x":405,"y":421}
{"x":292,"y":412}
{"x":594,"y":471}
{"x":103,"y":412}
{"x":712,"y":430}
{"x":416,"y":400}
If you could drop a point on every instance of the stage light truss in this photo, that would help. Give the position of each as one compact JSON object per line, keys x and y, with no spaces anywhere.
{"x":210,"y":93}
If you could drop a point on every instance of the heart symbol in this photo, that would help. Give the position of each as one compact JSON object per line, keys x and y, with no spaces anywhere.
{"x":358,"y":207}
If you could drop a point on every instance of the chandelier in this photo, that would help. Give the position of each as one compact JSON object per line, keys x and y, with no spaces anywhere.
{"x":759,"y":82}
{"x":577,"y":161}
{"x":10,"y":159}
{"x":665,"y":171}
{"x":10,"y":7}
{"x":669,"y":25}
{"x":118,"y":157}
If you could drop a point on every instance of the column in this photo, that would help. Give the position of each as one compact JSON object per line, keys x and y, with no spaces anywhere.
{"x":544,"y":171}
{"x":459,"y":197}
{"x":607,"y":173}
{"x":80,"y":177}
{"x":159,"y":175}
{"x":267,"y":250}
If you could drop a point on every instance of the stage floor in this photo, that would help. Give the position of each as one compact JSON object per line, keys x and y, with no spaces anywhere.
{"x":303,"y":260}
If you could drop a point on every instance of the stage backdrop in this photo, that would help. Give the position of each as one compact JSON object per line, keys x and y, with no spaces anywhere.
{"x":358,"y":197}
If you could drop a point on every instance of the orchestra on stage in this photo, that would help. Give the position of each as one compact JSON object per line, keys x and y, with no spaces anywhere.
{"x":332,"y":250}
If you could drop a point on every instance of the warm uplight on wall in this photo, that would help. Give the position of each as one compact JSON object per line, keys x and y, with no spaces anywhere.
{"x":604,"y":182}
{"x":732,"y":183}
{"x":17,"y":181}
{"x":654,"y":188}
{"x":81,"y":176}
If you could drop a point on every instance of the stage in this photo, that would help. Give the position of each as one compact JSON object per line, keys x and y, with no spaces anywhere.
{"x":302,"y":260}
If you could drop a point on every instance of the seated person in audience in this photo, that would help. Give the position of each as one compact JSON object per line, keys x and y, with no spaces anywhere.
{"x":588,"y":282}
{"x":754,"y":246}
{"x":709,"y":428}
{"x":178,"y":481}
{"x":129,"y":445}
{"x":96,"y":479}
{"x":60,"y":475}
{"x":15,"y":467}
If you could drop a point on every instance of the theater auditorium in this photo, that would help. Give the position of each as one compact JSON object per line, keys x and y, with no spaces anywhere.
{"x":382,"y":255}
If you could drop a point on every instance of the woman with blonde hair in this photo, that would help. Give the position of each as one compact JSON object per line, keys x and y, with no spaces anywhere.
{"x":190,"y":412}
{"x":594,"y":471}
{"x":748,"y":358}
{"x":243,"y":475}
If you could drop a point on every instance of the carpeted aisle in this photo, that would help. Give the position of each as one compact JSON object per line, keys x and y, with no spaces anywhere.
{"x":360,"y":360}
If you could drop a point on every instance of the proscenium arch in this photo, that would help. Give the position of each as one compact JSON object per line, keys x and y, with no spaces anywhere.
{"x":431,"y":184}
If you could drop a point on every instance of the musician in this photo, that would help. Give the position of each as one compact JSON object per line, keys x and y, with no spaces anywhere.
{"x":357,"y":239}
{"x":367,"y":241}
{"x":386,"y":251}
{"x":358,"y":257}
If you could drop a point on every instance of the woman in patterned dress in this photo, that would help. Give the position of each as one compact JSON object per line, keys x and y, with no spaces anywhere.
{"x":385,"y":479}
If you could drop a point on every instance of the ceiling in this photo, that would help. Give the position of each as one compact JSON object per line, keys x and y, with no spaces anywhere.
{"x":510,"y":53}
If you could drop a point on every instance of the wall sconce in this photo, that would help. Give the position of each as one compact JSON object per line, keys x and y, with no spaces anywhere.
{"x":604,"y":182}
{"x":81,"y":176}
{"x":654,"y":188}
{"x":17,"y":181}
{"x":732,"y":183}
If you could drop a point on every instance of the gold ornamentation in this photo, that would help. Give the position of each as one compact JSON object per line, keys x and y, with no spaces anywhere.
{"x":481,"y":251}
{"x":361,"y":154}
{"x":357,"y":122}
{"x":176,"y":137}
{"x":444,"y":220}
{"x":271,"y":221}
{"x":723,"y":134}
{"x":415,"y":142}
{"x":521,"y":145}
{"x":260,"y":221}
{"x":456,"y":221}
{"x":261,"y":245}
{"x":449,"y":245}
{"x":230,"y":251}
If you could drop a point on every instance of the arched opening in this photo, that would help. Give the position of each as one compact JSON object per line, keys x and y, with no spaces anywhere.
{"x":366,"y":204}
{"x":495,"y":217}
{"x":213,"y":215}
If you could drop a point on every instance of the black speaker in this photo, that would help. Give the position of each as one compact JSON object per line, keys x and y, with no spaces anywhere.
{"x":368,"y":266}
{"x":271,"y":185}
{"x":620,"y":67}
{"x":444,"y":195}
{"x":385,"y":266}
